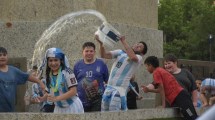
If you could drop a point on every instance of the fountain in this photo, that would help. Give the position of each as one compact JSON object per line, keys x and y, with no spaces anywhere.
{"x":66,"y":31}
{"x":25,"y":36}
{"x":74,"y":27}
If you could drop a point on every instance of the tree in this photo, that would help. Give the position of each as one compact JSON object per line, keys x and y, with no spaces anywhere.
{"x":186,"y":25}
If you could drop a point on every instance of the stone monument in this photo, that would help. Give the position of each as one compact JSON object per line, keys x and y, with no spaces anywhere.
{"x":24,"y":21}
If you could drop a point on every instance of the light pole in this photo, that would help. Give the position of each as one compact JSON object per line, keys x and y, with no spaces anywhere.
{"x":210,"y":39}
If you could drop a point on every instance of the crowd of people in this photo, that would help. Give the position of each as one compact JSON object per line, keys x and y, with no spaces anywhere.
{"x":89,"y":87}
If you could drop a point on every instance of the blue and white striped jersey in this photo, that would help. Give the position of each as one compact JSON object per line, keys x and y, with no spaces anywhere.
{"x":123,"y":68}
{"x":68,"y":80}
{"x":209,"y":85}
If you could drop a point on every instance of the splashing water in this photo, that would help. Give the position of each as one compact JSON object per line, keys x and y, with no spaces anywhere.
{"x":68,"y":33}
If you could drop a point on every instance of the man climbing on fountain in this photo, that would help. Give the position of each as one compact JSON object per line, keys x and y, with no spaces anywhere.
{"x":126,"y":63}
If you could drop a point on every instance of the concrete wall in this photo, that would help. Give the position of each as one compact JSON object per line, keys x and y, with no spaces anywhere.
{"x":142,"y":13}
{"x":22,"y":23}
{"x":20,"y":39}
{"x":24,"y":35}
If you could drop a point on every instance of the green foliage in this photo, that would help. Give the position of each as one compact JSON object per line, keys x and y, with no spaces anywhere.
{"x":186,"y":25}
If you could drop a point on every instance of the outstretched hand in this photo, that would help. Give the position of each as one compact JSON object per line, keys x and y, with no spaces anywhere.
{"x":51,"y":98}
{"x":145,"y":88}
{"x":139,"y":97}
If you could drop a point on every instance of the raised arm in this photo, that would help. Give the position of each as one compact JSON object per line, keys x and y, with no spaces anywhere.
{"x":128,"y":50}
{"x":103,"y":53}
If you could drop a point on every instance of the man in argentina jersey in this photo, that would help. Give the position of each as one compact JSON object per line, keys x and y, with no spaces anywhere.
{"x":208,"y":89}
{"x":126,"y":64}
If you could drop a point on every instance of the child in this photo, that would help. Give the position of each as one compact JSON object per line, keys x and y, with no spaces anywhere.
{"x":169,"y":89}
{"x":91,"y":74}
{"x":183,"y":76}
{"x":208,"y":89}
{"x":61,"y":82}
{"x":10,"y":77}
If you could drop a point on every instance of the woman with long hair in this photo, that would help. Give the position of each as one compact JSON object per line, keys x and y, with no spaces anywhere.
{"x":61,"y":83}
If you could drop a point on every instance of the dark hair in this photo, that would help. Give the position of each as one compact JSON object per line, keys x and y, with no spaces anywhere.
{"x":89,"y":44}
{"x":3,"y":50}
{"x":145,"y":47}
{"x":152,"y":60}
{"x":35,"y":67}
{"x":48,"y":70}
{"x":48,"y":81}
{"x":170,"y":57}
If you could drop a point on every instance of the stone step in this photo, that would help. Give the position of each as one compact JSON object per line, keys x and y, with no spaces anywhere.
{"x":146,"y":103}
{"x":139,"y":114}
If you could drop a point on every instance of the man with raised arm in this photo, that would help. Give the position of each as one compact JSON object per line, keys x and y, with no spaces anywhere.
{"x":126,"y":64}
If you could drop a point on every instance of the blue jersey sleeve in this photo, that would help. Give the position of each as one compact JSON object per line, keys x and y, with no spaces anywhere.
{"x":106,"y":73}
{"x":20,"y":76}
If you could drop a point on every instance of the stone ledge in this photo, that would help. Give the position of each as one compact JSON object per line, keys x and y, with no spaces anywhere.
{"x":139,"y":114}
